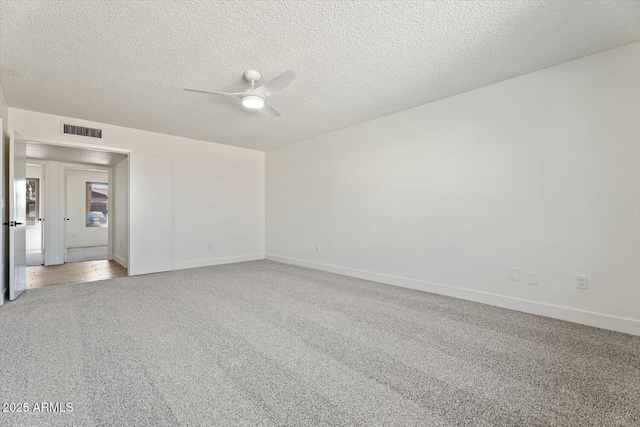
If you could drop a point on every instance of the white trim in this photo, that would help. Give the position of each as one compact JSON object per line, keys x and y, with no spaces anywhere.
{"x":216,"y":261}
{"x":87,"y":245}
{"x":54,"y":261}
{"x":77,"y":144}
{"x":120,"y":260}
{"x":598,"y":320}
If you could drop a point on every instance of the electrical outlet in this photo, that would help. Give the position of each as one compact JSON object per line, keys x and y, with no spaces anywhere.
{"x":514,"y":274}
{"x":318,"y":248}
{"x":582,"y":281}
{"x":533,"y":278}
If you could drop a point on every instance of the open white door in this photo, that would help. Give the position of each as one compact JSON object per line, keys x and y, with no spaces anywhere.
{"x":17,"y":216}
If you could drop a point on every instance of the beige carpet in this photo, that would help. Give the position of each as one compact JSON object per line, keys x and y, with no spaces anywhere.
{"x":92,"y":253}
{"x":263,"y":343}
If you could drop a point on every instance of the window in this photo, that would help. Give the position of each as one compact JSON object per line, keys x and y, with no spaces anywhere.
{"x":33,"y":202}
{"x":97,"y":204}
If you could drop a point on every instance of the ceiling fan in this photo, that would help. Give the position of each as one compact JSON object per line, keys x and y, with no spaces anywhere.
{"x":255,"y":97}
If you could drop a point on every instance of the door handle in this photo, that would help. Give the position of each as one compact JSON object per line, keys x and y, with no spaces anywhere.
{"x":17,"y":223}
{"x":40,"y":219}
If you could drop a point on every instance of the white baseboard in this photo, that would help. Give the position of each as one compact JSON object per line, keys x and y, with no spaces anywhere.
{"x":53,"y":261}
{"x":120,"y":260}
{"x":86,"y":245}
{"x":598,"y":320}
{"x":216,"y":261}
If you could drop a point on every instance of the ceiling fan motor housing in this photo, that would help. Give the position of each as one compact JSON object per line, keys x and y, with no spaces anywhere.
{"x":252,"y":75}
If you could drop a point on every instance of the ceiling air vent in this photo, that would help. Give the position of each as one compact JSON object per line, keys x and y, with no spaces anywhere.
{"x":81,"y":131}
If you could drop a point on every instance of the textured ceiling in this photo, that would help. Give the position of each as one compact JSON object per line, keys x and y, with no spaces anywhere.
{"x":126,"y":62}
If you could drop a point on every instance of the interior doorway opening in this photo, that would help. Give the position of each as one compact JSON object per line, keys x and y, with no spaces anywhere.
{"x":81,"y":199}
{"x":86,"y":214}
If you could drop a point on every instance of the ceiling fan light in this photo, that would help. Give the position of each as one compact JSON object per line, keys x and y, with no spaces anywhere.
{"x":253,"y":102}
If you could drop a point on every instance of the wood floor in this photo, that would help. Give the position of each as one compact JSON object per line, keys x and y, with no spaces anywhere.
{"x":73,"y":272}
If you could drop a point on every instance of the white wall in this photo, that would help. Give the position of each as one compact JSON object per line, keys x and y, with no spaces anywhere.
{"x":34,"y":232}
{"x":540,"y":172}
{"x":4,"y":170}
{"x":198,"y":171}
{"x":150,"y":192}
{"x":53,"y":212}
{"x":120,"y":213}
{"x":216,"y":208}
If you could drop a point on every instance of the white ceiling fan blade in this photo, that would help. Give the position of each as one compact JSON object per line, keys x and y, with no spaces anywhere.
{"x":269,"y":110}
{"x":235,"y":95}
{"x":275,"y":85}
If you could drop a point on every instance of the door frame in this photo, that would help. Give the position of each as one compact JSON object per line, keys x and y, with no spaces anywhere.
{"x":43,"y":199}
{"x":17,"y":282}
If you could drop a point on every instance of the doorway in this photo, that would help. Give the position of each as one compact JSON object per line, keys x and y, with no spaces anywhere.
{"x":86,"y":214}
{"x":80,"y":196}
